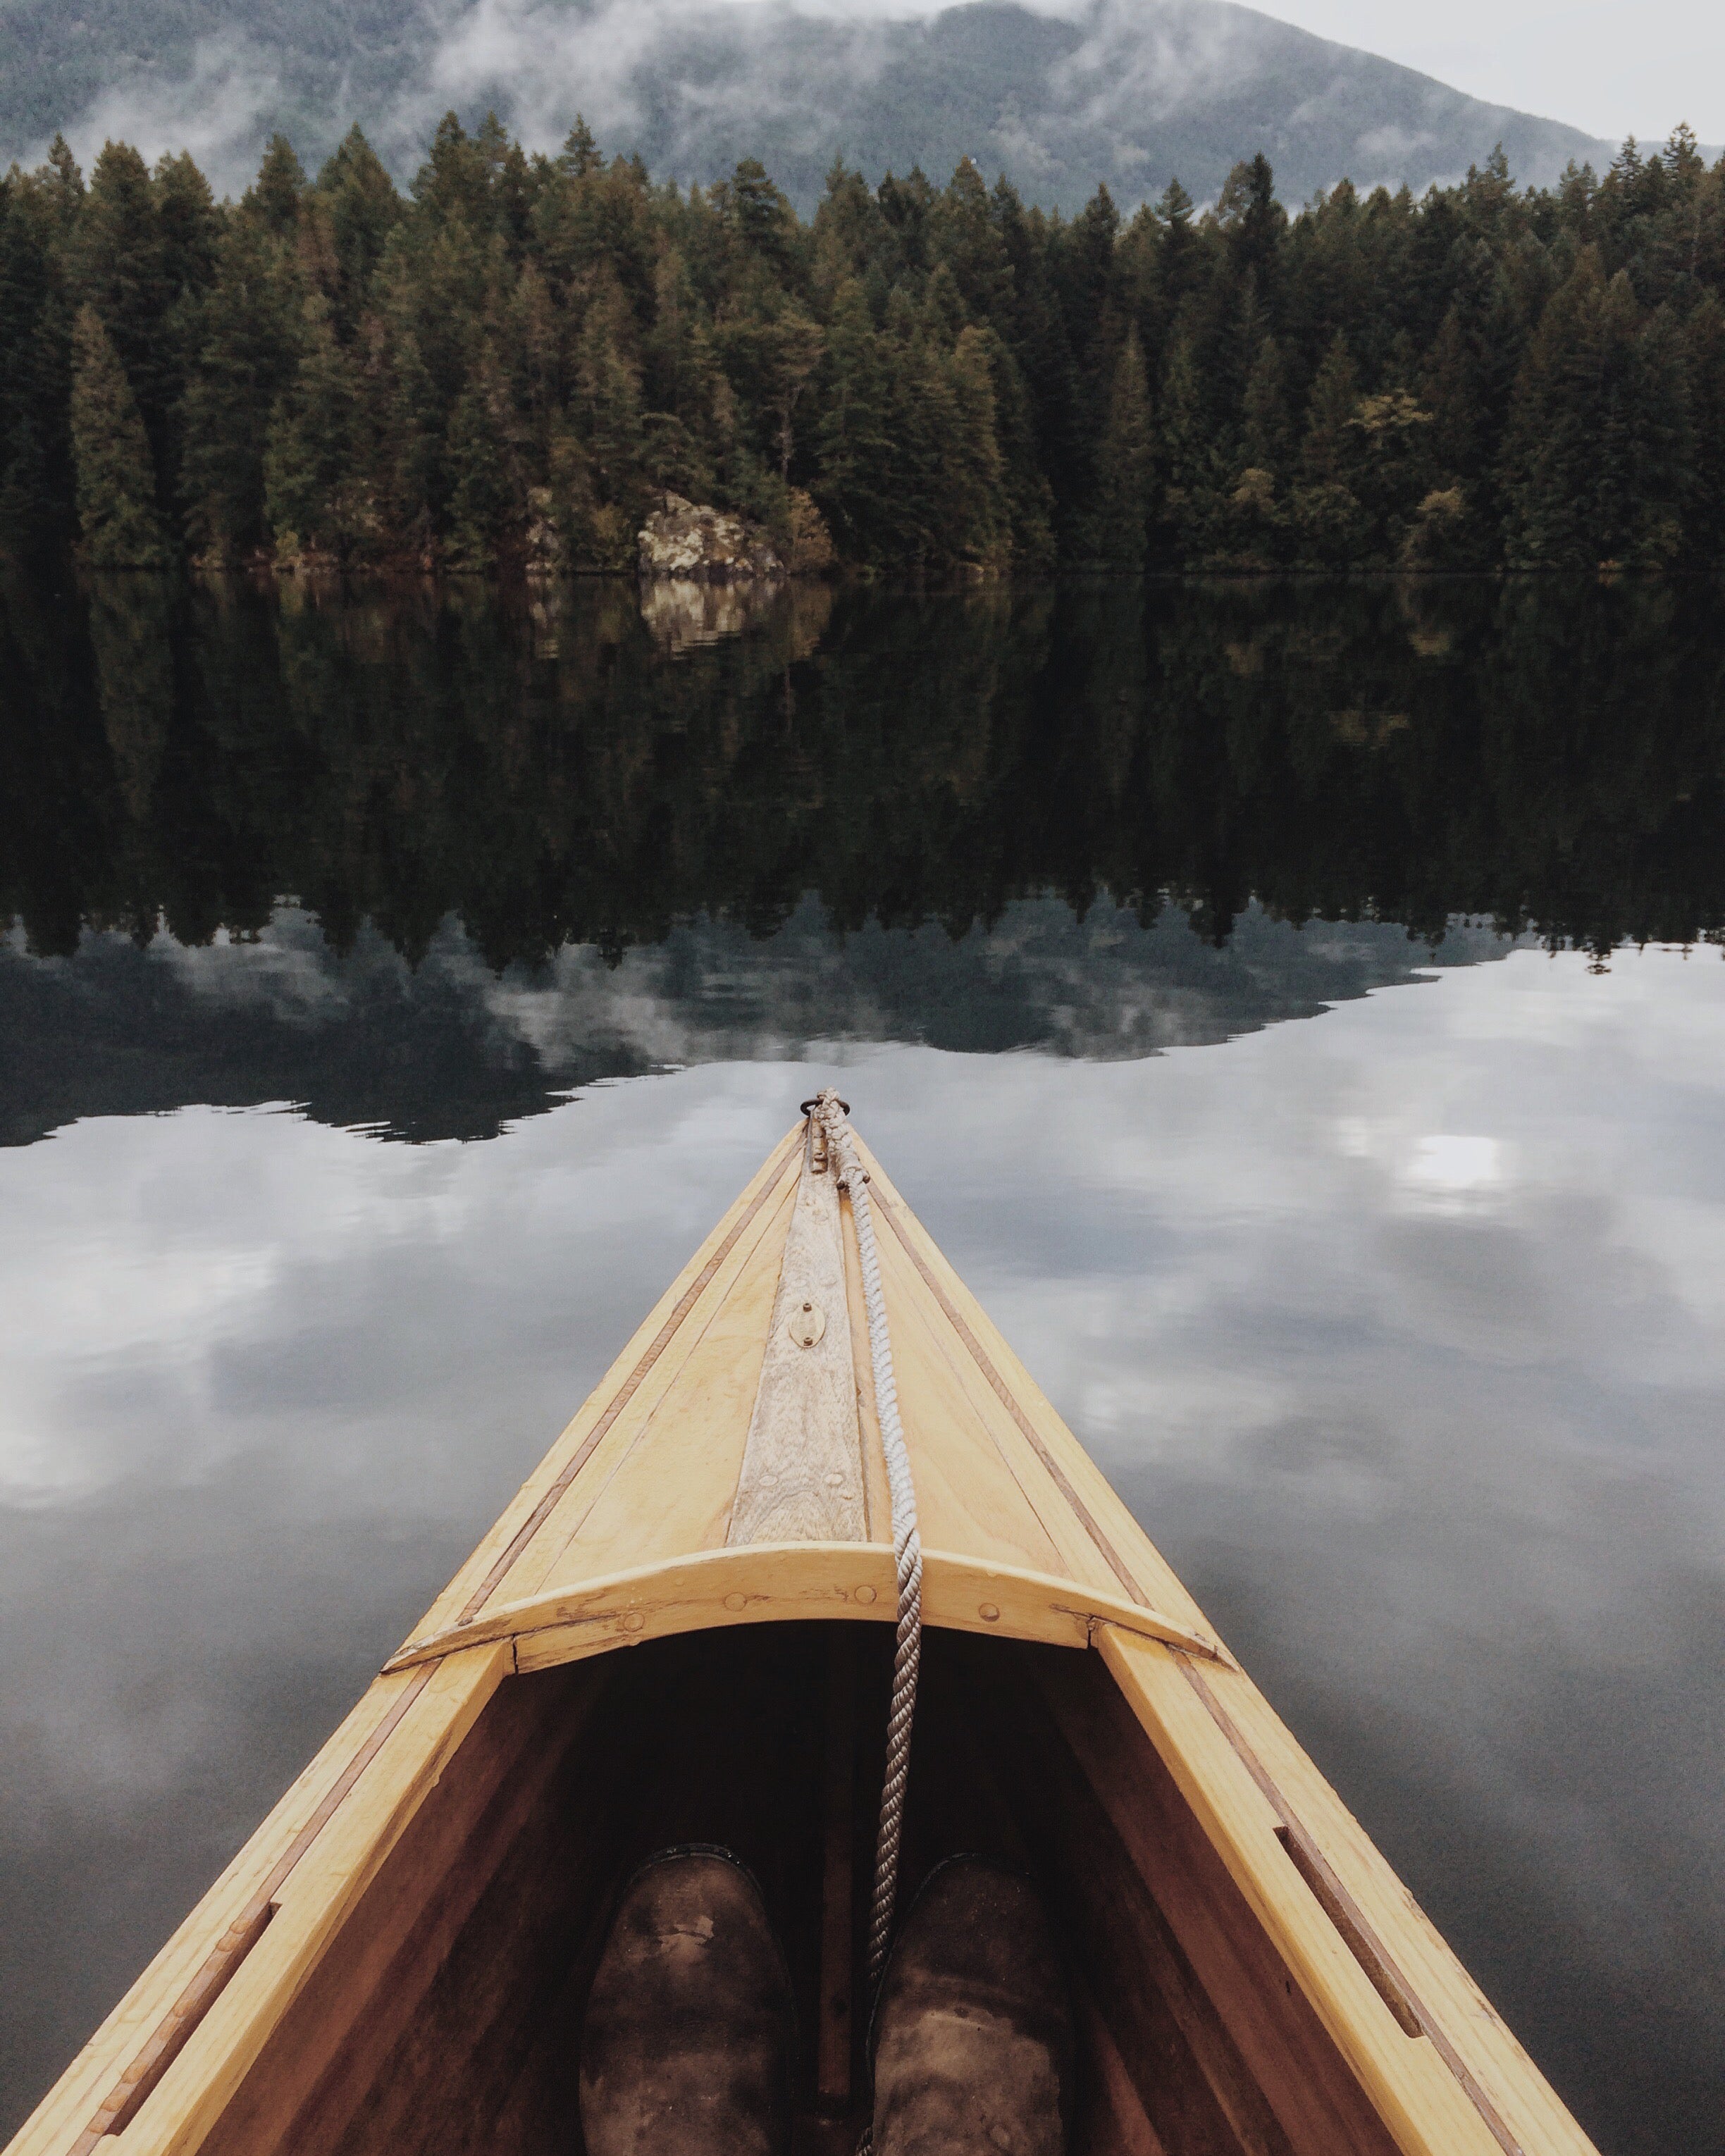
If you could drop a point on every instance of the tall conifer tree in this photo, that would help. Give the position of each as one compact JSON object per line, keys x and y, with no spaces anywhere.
{"x":118,"y":521}
{"x":1125,"y":465}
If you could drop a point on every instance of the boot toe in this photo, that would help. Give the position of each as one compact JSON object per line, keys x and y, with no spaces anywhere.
{"x":685,"y":2047}
{"x":971,"y":2039}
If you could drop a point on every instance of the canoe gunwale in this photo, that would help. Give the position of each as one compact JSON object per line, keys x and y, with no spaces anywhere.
{"x":767,"y":1582}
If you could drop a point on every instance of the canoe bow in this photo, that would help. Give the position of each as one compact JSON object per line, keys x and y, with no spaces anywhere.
{"x":727,"y":1474}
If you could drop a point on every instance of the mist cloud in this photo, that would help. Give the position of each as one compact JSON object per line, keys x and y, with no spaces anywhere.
{"x":221,"y":110}
{"x":1058,"y":94}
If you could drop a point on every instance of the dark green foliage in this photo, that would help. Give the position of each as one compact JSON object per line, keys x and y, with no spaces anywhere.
{"x":36,"y":484}
{"x":245,"y":336}
{"x":508,"y":366}
{"x":1125,"y":465}
{"x":115,"y":479}
{"x":315,"y":469}
{"x":854,"y":437}
{"x":1599,"y":451}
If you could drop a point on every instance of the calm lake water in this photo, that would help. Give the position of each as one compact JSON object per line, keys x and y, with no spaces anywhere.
{"x":398,"y":988}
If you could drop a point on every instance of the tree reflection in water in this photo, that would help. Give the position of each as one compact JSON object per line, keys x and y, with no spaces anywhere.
{"x":461,"y":785}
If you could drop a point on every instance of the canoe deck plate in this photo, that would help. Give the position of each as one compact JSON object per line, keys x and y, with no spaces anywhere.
{"x":802,"y":1475}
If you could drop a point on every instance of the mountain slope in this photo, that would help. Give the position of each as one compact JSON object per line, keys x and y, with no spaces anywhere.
{"x":1059,"y":96}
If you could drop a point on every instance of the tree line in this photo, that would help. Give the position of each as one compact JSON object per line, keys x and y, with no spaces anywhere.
{"x":529,"y":760}
{"x":505,"y":367}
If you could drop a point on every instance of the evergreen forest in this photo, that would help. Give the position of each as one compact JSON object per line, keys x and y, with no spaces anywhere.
{"x":506,"y":365}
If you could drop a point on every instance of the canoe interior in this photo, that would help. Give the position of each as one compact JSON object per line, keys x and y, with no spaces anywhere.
{"x":445,"y":2015}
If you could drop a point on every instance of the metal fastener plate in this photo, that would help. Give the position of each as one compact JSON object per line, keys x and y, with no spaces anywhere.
{"x":806,"y":1323}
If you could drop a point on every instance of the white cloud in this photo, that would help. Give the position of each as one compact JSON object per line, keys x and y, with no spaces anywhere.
{"x":549,"y":61}
{"x":215,"y":111}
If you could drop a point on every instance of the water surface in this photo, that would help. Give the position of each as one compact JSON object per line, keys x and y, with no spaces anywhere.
{"x":400,"y":989}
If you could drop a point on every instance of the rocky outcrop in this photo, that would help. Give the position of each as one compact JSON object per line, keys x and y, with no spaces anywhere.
{"x":704,"y":546}
{"x":545,"y":552}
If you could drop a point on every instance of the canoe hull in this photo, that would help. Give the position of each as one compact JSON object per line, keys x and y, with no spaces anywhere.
{"x":397,"y":1960}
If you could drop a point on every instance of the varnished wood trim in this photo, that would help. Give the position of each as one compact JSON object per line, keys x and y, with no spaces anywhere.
{"x":1062,"y":1481}
{"x":165,"y":2042}
{"x":1345,"y":1913}
{"x":554,"y":1493}
{"x":1430,"y":2107}
{"x":767,"y":1582}
{"x":126,"y":2098}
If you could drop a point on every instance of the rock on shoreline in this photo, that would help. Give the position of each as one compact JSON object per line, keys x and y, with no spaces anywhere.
{"x":703,"y":546}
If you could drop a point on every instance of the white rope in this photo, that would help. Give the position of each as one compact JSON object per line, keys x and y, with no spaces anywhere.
{"x":907,"y":1543}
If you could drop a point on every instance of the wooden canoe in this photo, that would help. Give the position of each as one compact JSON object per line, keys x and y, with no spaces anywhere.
{"x":397,"y":1960}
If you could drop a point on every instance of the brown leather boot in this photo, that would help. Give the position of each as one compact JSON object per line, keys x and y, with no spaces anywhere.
{"x":686,"y":2047}
{"x":971,"y":2039}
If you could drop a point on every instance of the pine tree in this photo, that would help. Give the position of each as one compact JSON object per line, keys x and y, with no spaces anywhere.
{"x":1125,"y":465}
{"x":795,"y":346}
{"x":760,"y":218}
{"x":1252,"y":222}
{"x":117,"y":516}
{"x":245,"y":337}
{"x":274,"y":198}
{"x":35,"y":363}
{"x":486,"y":500}
{"x":315,"y":496}
{"x":189,"y":224}
{"x":966,"y":241}
{"x":977,"y":527}
{"x":1470,"y":376}
{"x":1191,"y":501}
{"x":580,"y":154}
{"x":123,"y":272}
{"x":1266,"y":436}
{"x":922,"y":422}
{"x":410,"y":444}
{"x":607,"y":399}
{"x":1181,"y":265}
{"x":1327,"y":450}
{"x":1029,"y":499}
{"x":1705,"y":369}
{"x":454,"y":183}
{"x":1599,"y":447}
{"x":1333,"y":528}
{"x":1086,"y":278}
{"x":1651,"y":470}
{"x":854,"y":447}
{"x":356,"y":190}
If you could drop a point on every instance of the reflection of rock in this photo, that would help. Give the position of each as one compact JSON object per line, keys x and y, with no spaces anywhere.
{"x":680,"y":613}
{"x":544,"y":554}
{"x":704,"y":546}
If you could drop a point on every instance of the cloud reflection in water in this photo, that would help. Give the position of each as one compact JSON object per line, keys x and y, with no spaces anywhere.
{"x":1402,"y":1331}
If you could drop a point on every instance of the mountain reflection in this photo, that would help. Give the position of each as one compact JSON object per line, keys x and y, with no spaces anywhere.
{"x":472,"y":847}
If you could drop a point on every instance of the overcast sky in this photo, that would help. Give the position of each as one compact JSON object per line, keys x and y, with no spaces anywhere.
{"x":1614,"y":67}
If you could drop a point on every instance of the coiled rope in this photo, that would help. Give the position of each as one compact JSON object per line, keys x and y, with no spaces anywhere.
{"x":907,"y":1543}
